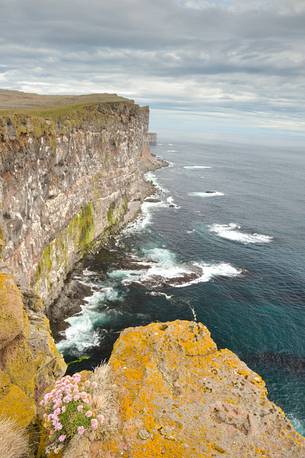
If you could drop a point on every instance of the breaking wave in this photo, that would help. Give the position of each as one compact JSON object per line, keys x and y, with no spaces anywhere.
{"x":206,"y":194}
{"x":194,"y":167}
{"x":159,"y":268}
{"x":171,"y":203}
{"x":233,"y":232}
{"x":81,"y":333}
{"x":151,"y":177}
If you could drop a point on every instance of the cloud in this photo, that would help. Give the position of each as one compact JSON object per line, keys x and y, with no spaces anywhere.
{"x":196,"y":55}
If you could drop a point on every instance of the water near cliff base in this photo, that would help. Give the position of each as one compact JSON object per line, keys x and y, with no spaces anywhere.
{"x":222,"y":242}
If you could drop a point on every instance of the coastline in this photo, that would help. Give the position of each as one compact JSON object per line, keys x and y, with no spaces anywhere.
{"x":74,"y":292}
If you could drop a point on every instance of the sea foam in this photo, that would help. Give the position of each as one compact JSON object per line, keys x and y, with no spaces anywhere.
{"x":81,"y":334}
{"x":206,"y":194}
{"x":161,"y":268}
{"x":194,"y":167}
{"x":233,"y":232}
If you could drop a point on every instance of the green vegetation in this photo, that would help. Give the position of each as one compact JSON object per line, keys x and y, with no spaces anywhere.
{"x":75,"y":238}
{"x":31,"y":115}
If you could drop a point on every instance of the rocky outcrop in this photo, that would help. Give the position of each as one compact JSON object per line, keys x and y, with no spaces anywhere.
{"x":29,"y":360}
{"x":69,"y":174}
{"x":179,"y":396}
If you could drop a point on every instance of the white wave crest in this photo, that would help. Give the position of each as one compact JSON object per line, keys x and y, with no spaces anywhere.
{"x":232,"y":232}
{"x":158,"y":293}
{"x":162,"y":268}
{"x":209,"y":271}
{"x":206,"y":194}
{"x":171,"y":202}
{"x":151,"y":177}
{"x":81,"y":334}
{"x":195,"y":167}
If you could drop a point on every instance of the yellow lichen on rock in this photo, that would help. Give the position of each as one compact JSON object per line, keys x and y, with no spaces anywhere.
{"x":180,"y":397}
{"x":11,"y":310}
{"x":29,"y":359}
{"x":17,"y":406}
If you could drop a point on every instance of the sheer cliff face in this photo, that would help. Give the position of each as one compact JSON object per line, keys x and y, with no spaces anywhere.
{"x":68,"y":176}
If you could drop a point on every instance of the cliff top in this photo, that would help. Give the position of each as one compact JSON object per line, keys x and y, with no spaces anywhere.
{"x":22,"y":101}
{"x":179,"y":396}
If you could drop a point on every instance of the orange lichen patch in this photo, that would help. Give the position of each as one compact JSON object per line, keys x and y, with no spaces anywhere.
{"x":17,"y":406}
{"x":179,"y":397}
{"x":11,"y":310}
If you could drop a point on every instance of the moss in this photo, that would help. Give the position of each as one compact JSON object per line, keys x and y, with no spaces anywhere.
{"x":72,"y":242}
{"x":86,"y":226}
{"x":51,"y":122}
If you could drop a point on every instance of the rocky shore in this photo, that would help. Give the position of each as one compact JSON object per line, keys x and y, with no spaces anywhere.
{"x":71,"y":176}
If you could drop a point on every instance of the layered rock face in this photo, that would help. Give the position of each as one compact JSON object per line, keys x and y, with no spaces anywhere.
{"x":68,"y":175}
{"x":181,"y":397}
{"x":71,"y":171}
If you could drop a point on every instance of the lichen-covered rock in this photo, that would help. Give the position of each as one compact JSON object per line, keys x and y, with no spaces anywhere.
{"x":180,"y":397}
{"x":16,"y":405}
{"x":11,"y":310}
{"x":29,"y":359}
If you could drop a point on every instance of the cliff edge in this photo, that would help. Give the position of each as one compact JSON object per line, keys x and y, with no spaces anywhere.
{"x":71,"y":173}
{"x":180,"y":397}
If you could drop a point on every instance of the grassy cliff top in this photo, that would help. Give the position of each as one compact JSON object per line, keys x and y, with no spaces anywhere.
{"x":50,"y":115}
{"x":29,"y":102}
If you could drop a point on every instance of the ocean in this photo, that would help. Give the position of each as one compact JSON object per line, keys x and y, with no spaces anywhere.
{"x":221,"y":243}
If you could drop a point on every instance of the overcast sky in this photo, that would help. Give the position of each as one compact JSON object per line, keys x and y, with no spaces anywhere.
{"x":209,"y":66}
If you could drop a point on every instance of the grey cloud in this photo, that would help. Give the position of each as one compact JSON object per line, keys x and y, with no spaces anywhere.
{"x":185,"y":54}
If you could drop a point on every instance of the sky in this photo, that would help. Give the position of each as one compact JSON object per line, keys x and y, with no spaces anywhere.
{"x":207,"y":68}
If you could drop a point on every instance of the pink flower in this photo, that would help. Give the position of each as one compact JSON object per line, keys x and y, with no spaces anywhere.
{"x":88,"y":414}
{"x":62,"y":438}
{"x":81,"y":430}
{"x":58,"y":427}
{"x":94,"y":384}
{"x":80,"y":408}
{"x":94,"y":424}
{"x":77,"y":377}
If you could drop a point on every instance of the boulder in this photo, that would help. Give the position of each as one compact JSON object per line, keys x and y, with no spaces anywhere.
{"x":179,"y":397}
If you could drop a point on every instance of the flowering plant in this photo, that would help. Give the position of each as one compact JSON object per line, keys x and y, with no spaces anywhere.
{"x":68,"y":411}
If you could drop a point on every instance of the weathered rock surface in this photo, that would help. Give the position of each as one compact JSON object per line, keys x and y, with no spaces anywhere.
{"x":68,"y":174}
{"x":181,"y":397}
{"x":29,"y":360}
{"x":71,"y":171}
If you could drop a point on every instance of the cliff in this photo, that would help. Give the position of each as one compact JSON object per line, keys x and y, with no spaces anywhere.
{"x":71,"y":172}
{"x":178,"y":396}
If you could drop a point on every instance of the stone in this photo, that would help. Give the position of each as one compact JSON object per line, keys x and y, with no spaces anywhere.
{"x":11,"y":310}
{"x":68,"y":177}
{"x":179,"y":397}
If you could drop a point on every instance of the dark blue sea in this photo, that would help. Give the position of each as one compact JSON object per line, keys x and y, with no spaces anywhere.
{"x":223,"y":243}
